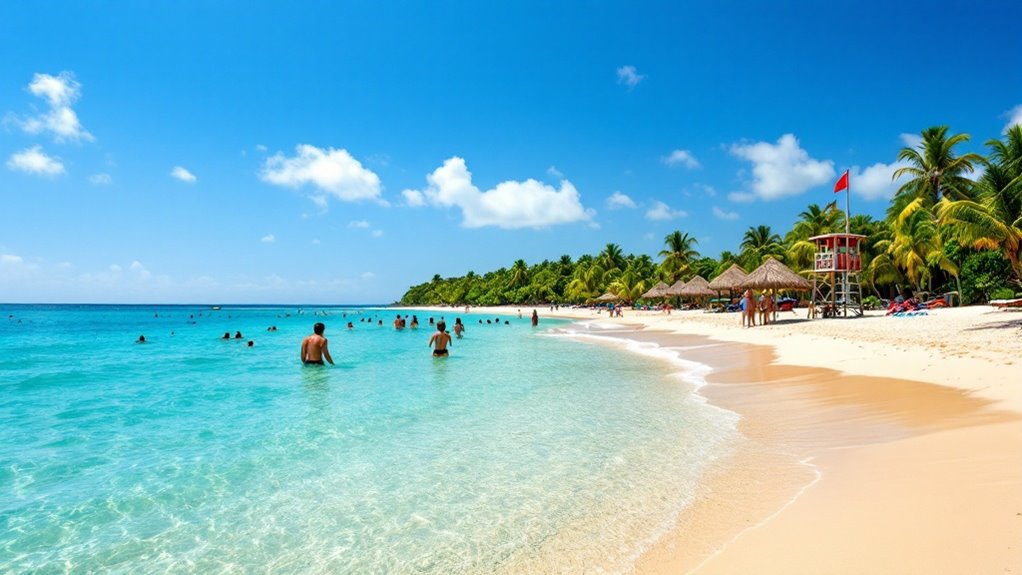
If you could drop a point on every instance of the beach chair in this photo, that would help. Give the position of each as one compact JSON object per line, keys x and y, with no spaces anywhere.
{"x":1007,"y":303}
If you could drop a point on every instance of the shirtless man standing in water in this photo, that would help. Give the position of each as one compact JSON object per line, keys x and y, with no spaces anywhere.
{"x":440,"y":340}
{"x":314,"y":347}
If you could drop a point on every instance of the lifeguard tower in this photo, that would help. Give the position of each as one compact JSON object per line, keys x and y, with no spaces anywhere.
{"x":836,"y":289}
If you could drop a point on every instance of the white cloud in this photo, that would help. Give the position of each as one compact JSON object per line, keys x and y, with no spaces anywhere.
{"x":100,"y":179}
{"x":59,"y":92}
{"x":1014,"y":118}
{"x":682,"y":157}
{"x":330,"y":171}
{"x":628,"y":76}
{"x":268,"y":239}
{"x":911,"y":140}
{"x":115,"y":268}
{"x":358,"y":224}
{"x":661,"y":211}
{"x":783,"y":169}
{"x":874,"y":182}
{"x":708,"y":191}
{"x":741,"y":197}
{"x":368,"y":275}
{"x":183,"y":175}
{"x":260,"y":148}
{"x":724,"y":215}
{"x":553,"y":171}
{"x":137,"y":267}
{"x":414,"y":198}
{"x":376,"y":233}
{"x":509,"y":205}
{"x":619,"y":200}
{"x":34,"y":161}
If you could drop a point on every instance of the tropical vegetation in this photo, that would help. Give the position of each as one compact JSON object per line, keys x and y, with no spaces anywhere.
{"x":954,"y":224}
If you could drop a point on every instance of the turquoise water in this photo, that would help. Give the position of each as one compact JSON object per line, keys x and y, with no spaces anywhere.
{"x":527,"y":450}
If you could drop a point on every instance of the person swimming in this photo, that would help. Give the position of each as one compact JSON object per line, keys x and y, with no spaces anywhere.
{"x":459,"y":327}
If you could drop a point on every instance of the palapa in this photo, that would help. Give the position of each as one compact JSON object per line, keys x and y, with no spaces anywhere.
{"x":675,"y":289}
{"x":608,"y":297}
{"x":697,"y":287}
{"x":730,"y":279}
{"x":774,"y":275}
{"x":657,"y":291}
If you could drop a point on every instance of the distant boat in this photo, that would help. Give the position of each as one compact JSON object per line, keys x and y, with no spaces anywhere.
{"x":216,"y":307}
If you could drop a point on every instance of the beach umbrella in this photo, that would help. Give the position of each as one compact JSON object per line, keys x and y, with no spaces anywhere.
{"x":657,"y":291}
{"x":608,"y":297}
{"x":731,"y":279}
{"x":675,"y":289}
{"x":697,"y":287}
{"x":774,"y":275}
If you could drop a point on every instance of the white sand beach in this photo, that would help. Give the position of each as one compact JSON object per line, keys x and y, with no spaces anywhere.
{"x":875,"y":444}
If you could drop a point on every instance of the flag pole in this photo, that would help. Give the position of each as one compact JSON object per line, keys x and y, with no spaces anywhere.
{"x":848,"y":210}
{"x":848,"y":230}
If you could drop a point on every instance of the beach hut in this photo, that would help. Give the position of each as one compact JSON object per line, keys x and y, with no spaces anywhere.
{"x":656,"y":292}
{"x":773,"y":275}
{"x":608,"y":297}
{"x":675,"y":289}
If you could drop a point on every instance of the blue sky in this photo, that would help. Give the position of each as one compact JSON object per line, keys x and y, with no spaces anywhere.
{"x":232,"y":152}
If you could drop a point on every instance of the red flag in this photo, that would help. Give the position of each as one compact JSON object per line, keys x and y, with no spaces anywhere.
{"x":842,"y":184}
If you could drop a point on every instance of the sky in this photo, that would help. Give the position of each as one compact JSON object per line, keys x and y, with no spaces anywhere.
{"x":330,"y":153}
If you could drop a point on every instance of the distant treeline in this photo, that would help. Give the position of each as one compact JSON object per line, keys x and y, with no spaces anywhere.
{"x":944,"y":231}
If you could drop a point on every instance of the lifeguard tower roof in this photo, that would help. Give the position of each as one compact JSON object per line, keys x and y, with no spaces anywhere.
{"x":837,"y":235}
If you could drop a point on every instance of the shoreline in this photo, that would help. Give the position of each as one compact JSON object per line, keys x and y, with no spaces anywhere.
{"x":875,"y":444}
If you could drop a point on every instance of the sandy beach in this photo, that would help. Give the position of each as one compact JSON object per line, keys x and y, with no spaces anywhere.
{"x":872,"y":445}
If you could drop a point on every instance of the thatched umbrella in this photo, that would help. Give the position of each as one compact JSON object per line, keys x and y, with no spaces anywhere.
{"x":773,"y":275}
{"x":675,"y":289}
{"x":731,"y":279}
{"x":608,"y":297}
{"x":657,"y":291}
{"x":697,"y":287}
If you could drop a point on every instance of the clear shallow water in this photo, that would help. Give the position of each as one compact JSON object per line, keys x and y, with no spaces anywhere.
{"x":524,"y":451}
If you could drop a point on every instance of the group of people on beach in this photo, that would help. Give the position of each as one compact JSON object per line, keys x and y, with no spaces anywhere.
{"x":749,"y":305}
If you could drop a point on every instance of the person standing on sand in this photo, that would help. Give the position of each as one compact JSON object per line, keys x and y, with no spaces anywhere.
{"x":440,"y":340}
{"x":750,"y":308}
{"x":535,"y":318}
{"x":314,"y":347}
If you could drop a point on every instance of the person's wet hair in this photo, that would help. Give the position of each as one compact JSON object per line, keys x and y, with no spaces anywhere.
{"x":441,"y":326}
{"x":318,"y":328}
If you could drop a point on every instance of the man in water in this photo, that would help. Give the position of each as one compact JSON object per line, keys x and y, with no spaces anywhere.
{"x":440,"y":340}
{"x":314,"y":347}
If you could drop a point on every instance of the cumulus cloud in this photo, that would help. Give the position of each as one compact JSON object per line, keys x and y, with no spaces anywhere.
{"x":1014,"y":118}
{"x":721,"y":214}
{"x":876,"y":181}
{"x":34,"y":161}
{"x":619,"y":200}
{"x":268,"y":239}
{"x":553,"y":171}
{"x":509,"y":205}
{"x":628,"y":76}
{"x":137,"y":267}
{"x":414,"y":198}
{"x":782,"y":169}
{"x":183,"y":175}
{"x":59,"y":93}
{"x":682,"y":158}
{"x":661,"y":211}
{"x":328,"y":171}
{"x":100,"y":179}
{"x":376,"y":233}
{"x":911,"y":140}
{"x":358,"y":224}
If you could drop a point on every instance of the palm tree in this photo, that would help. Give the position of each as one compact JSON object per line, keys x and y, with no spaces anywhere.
{"x":934,"y":171}
{"x":758,"y":243}
{"x":994,"y":219}
{"x":587,"y":283}
{"x":611,"y":258}
{"x":678,"y":253}
{"x":914,"y":248}
{"x":519,"y":274}
{"x":628,"y":286}
{"x":814,"y":221}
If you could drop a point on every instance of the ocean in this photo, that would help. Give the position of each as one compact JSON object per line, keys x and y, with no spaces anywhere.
{"x":527,"y":450}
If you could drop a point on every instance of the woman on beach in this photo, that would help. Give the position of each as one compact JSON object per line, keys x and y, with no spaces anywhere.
{"x":749,"y":309}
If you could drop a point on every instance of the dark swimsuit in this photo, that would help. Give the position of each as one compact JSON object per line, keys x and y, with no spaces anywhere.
{"x":439,"y":352}
{"x":310,"y":362}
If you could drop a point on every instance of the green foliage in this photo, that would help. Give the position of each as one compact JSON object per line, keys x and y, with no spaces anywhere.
{"x":871,"y":302}
{"x":944,"y":232}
